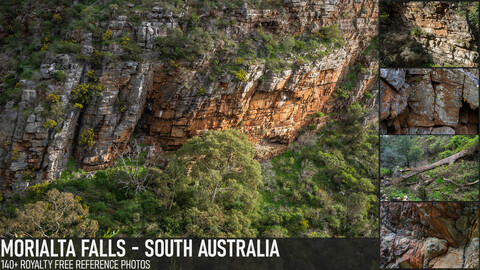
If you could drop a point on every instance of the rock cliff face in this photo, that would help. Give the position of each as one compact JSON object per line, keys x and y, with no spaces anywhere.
{"x":429,"y":101}
{"x":445,"y":33}
{"x":429,"y":235}
{"x":445,"y":30}
{"x":164,"y":105}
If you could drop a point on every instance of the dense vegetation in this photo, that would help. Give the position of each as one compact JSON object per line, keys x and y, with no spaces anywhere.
{"x":445,"y":182}
{"x":327,"y":183}
{"x":324,"y":186}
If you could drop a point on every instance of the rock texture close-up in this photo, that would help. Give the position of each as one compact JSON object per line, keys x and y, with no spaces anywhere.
{"x":429,"y":101}
{"x":165,"y":104}
{"x":425,"y":33}
{"x":429,"y":235}
{"x":445,"y":34}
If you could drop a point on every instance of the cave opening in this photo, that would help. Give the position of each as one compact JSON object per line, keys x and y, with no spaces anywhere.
{"x":468,"y":119}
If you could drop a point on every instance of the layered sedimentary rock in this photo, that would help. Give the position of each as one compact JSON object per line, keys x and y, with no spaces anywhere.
{"x":429,"y":101}
{"x":164,"y":105}
{"x":429,"y":235}
{"x":445,"y":30}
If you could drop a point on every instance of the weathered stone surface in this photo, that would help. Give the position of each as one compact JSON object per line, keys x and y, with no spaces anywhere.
{"x":422,"y":103}
{"x":428,"y":234}
{"x":452,"y":259}
{"x":443,"y":32}
{"x":395,"y":77}
{"x":435,"y":101}
{"x":433,"y":247}
{"x":165,"y":105}
{"x":471,"y":254}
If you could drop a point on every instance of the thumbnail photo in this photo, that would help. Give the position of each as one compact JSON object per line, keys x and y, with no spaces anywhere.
{"x":429,"y":235}
{"x":427,"y":34}
{"x":429,"y":101}
{"x":429,"y":168}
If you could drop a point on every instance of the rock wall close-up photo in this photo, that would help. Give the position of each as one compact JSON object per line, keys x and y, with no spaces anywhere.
{"x":429,"y":33}
{"x":429,"y":101}
{"x":429,"y":235}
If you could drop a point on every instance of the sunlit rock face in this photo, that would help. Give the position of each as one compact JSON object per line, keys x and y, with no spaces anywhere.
{"x":165,"y":105}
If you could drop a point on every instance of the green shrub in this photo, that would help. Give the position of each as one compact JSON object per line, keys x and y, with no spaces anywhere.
{"x":189,"y":45}
{"x":50,"y":123}
{"x":66,"y":47}
{"x":60,"y":76}
{"x":87,"y":138}
{"x":82,"y":93}
{"x":241,"y":75}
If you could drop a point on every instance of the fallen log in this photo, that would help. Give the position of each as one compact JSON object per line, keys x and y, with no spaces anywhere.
{"x":448,"y":160}
{"x":460,"y":185}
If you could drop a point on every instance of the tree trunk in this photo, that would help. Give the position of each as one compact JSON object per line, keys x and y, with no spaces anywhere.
{"x":449,"y":160}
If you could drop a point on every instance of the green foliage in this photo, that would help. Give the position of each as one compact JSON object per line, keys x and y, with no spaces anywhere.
{"x":82,"y":93}
{"x":59,"y":215}
{"x":458,"y":143}
{"x":64,"y":46}
{"x":189,"y":45}
{"x":241,"y":75}
{"x":215,"y":179}
{"x":444,"y":183}
{"x":60,"y":76}
{"x":87,"y":138}
{"x":50,"y":123}
{"x":416,"y":32}
{"x":470,"y":12}
{"x":332,"y":177}
{"x":399,"y":151}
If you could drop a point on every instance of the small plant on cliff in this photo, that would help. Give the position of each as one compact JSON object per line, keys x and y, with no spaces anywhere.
{"x":319,"y":114}
{"x":312,"y":126}
{"x":107,"y":35}
{"x":28,"y":174}
{"x":121,"y":105}
{"x":54,"y":98}
{"x":91,"y":75}
{"x":416,"y":32}
{"x":189,"y":45}
{"x":46,"y":44}
{"x":241,"y":75}
{"x":60,"y":76}
{"x":50,"y":123}
{"x":82,"y":93}
{"x":87,"y":138}
{"x":15,"y":155}
{"x":57,"y":17}
{"x":201,"y":92}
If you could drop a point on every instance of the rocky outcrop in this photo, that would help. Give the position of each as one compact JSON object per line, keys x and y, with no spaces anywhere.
{"x":166,"y":104}
{"x":446,"y":31}
{"x":429,"y":101}
{"x":429,"y":235}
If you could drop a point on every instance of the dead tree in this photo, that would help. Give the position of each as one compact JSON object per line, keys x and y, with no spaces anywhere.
{"x":449,"y":160}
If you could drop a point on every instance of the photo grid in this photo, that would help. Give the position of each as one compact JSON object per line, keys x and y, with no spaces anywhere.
{"x":429,"y":128}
